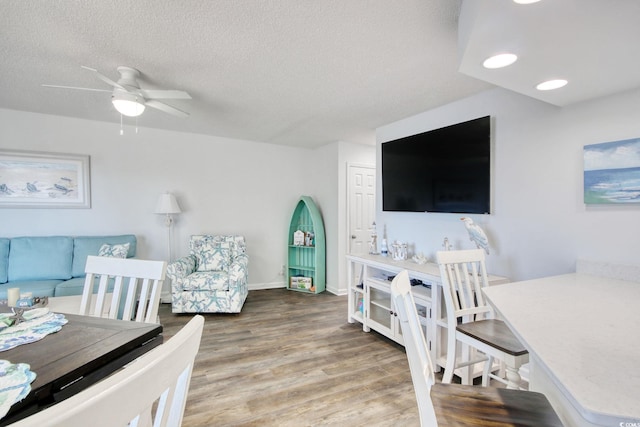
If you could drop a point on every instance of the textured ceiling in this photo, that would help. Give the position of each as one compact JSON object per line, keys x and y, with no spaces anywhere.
{"x":289,"y":72}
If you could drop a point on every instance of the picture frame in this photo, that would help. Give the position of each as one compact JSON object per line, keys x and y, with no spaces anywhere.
{"x":612,"y":172}
{"x":298,"y":238}
{"x":30,"y":179}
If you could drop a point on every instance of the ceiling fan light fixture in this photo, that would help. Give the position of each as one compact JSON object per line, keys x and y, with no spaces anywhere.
{"x":128,"y":104}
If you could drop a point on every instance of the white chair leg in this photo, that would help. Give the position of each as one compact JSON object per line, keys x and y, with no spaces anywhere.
{"x":513,"y":378}
{"x":466,"y":374}
{"x":451,"y":357}
{"x":488,"y":366}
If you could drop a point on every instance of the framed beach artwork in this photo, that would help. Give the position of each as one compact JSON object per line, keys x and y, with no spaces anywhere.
{"x":612,"y":172}
{"x":44,"y":180}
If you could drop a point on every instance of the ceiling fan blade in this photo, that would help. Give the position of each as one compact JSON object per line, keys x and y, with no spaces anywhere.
{"x":77,"y":88}
{"x":166,"y":108}
{"x":104,"y":78}
{"x":164,"y":94}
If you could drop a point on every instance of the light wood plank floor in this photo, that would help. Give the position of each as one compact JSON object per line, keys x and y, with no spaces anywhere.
{"x":291,"y":359}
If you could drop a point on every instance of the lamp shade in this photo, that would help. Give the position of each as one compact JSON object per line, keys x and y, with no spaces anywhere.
{"x":167,"y":204}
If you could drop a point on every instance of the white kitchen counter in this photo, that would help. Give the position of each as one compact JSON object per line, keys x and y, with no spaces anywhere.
{"x":583,"y":336}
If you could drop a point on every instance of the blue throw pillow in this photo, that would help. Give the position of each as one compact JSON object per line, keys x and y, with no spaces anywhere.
{"x":4,"y":260}
{"x":40,"y":258}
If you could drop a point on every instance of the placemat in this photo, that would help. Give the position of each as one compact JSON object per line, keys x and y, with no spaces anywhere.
{"x":15,"y":384}
{"x":38,"y":323}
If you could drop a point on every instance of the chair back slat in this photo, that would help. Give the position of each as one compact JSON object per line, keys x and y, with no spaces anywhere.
{"x":130,"y":299}
{"x":102,"y":293}
{"x":117,"y":293}
{"x":144,"y":295}
{"x":140,"y":306}
{"x":416,"y":347}
{"x":87,"y":293}
{"x":153,"y":301}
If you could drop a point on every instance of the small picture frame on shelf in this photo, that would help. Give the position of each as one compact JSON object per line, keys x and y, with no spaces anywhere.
{"x":298,"y":238}
{"x":308,"y":238}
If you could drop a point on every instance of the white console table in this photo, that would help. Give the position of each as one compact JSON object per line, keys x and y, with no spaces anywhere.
{"x":583,"y":336}
{"x":369,"y":300}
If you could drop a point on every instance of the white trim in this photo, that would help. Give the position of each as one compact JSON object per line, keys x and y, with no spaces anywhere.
{"x":272,"y":285}
{"x":335,"y":290}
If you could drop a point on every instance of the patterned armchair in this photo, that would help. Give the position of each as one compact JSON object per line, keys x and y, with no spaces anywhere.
{"x":212,"y":278}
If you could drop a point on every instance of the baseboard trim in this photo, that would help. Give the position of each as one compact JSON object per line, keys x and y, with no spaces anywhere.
{"x":260,"y":286}
{"x":339,"y":292}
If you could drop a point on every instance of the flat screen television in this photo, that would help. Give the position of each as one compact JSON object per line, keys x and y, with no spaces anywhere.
{"x":441,"y":170}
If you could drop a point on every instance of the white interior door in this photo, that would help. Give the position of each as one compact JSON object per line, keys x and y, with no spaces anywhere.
{"x":362,"y":207}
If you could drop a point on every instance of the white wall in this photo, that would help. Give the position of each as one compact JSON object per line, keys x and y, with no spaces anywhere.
{"x":329,"y":175}
{"x":539,"y":225}
{"x":222,"y":186}
{"x":322,"y":171}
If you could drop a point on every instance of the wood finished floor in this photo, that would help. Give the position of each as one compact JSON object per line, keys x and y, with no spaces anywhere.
{"x":291,"y":359}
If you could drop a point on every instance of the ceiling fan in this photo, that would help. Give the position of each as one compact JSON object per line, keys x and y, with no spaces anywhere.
{"x":127,"y":96}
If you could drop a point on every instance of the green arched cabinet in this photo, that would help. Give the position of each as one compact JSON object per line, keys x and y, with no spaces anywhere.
{"x":306,"y":261}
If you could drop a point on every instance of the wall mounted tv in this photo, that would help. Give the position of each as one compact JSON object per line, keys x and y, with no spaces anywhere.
{"x":441,"y":170}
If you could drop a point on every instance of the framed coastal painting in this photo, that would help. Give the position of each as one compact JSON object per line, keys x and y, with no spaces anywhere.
{"x":612,"y":172}
{"x":44,"y":180}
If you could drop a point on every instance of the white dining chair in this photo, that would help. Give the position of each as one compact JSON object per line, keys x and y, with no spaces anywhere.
{"x":151,"y":390}
{"x":454,"y":404}
{"x":135,"y":295}
{"x":470,"y":321}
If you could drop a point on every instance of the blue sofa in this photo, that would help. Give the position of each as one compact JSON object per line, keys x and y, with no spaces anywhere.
{"x":50,"y":266}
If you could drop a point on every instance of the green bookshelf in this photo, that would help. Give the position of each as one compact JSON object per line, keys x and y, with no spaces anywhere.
{"x":306,"y":253}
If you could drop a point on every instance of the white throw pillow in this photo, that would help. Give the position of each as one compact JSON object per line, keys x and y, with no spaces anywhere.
{"x":114,"y":251}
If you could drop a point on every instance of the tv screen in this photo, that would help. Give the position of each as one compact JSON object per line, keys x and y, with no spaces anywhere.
{"x":441,"y":170}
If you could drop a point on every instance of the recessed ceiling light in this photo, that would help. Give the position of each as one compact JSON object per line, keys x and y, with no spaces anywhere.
{"x":499,"y":61}
{"x":551,"y":84}
{"x":525,"y":1}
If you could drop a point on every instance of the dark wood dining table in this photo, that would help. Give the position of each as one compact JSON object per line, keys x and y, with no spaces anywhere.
{"x":84,"y":351}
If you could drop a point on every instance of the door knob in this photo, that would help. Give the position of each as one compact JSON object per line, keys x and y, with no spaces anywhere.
{"x":353,"y":236}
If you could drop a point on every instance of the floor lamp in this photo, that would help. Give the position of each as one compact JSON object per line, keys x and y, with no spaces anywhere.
{"x":167,"y":205}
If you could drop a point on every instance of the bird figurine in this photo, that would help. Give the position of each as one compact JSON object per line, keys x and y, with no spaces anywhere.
{"x":476,"y":234}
